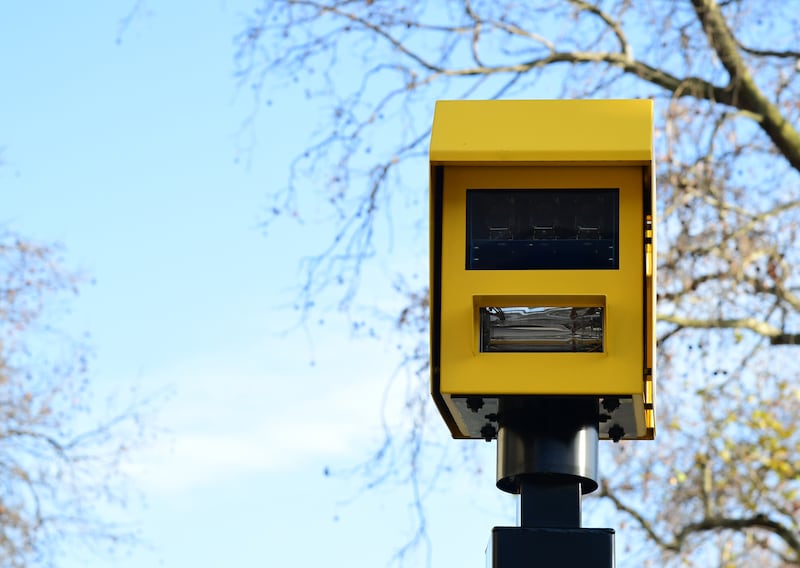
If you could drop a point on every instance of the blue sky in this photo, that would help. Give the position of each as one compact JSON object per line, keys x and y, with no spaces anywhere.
{"x":127,"y":154}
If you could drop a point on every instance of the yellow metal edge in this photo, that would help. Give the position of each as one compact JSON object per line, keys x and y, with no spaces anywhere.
{"x":506,"y":131}
{"x":536,"y":300}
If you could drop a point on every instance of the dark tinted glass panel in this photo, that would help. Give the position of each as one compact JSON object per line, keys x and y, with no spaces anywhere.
{"x":524,"y":229}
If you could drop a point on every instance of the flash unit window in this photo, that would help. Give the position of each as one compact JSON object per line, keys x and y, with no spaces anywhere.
{"x":541,"y":329}
{"x":524,"y":229}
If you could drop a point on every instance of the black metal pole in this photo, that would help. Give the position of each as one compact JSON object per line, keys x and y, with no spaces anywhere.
{"x":547,"y":441}
{"x":547,"y":453}
{"x":549,"y":505}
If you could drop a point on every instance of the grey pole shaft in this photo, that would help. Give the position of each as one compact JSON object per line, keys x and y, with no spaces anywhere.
{"x":547,"y":453}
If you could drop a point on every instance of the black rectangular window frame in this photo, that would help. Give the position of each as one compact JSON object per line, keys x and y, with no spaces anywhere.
{"x":542,"y":229}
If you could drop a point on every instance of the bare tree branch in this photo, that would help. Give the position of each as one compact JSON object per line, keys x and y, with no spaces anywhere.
{"x":744,"y":93}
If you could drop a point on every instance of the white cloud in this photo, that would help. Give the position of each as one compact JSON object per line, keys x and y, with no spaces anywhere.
{"x":230,"y":420}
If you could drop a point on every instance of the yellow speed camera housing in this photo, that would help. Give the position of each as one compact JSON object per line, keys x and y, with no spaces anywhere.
{"x":542,"y":259}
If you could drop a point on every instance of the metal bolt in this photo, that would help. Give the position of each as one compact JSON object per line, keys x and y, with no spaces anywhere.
{"x":611,"y":403}
{"x":616,"y":432}
{"x":474,"y":403}
{"x":488,"y":432}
